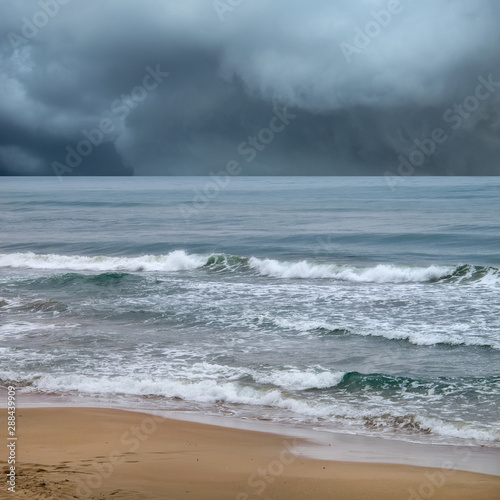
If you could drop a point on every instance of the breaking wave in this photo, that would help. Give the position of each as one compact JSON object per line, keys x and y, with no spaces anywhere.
{"x":282,"y":389}
{"x":174,"y":261}
{"x":179,"y":260}
{"x":381,"y":273}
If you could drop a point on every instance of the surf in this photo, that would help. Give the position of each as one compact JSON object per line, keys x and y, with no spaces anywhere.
{"x":180,"y":260}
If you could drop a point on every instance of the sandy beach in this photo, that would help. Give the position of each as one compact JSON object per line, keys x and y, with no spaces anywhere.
{"x":112,"y":454}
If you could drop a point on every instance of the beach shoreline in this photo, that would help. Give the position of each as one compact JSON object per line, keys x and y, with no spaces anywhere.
{"x":242,"y":416}
{"x":303,"y":338}
{"x":96,"y":453}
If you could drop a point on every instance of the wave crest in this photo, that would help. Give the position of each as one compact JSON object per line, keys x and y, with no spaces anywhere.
{"x":273,"y":391}
{"x":179,"y":260}
{"x":381,"y":273}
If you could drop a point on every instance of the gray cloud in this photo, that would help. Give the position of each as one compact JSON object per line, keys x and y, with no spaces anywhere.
{"x":354,"y":114}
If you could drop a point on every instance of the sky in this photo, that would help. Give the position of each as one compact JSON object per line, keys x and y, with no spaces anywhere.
{"x":257,"y":87}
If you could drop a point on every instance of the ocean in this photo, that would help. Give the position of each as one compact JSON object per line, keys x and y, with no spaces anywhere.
{"x":342,"y":304}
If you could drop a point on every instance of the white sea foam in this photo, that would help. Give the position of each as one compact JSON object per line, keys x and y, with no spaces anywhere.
{"x":429,"y":337}
{"x":307,"y":325}
{"x":179,"y":260}
{"x":423,"y":335}
{"x":296,"y":380}
{"x":460,"y":430}
{"x":379,"y":274}
{"x":491,"y":278}
{"x":174,"y":261}
{"x":203,"y":391}
{"x":212,"y":391}
{"x":20,"y":328}
{"x":202,"y":388}
{"x":206,"y":371}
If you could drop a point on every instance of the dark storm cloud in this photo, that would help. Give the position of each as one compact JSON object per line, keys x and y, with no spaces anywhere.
{"x":364,"y":80}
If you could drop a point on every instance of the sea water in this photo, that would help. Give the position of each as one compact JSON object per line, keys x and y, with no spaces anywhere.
{"x":345,"y":304}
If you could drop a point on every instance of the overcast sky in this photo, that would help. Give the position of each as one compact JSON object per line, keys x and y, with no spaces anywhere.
{"x":291,"y":87}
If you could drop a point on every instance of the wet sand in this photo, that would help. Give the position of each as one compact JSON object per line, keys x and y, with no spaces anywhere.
{"x":66,"y":453}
